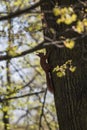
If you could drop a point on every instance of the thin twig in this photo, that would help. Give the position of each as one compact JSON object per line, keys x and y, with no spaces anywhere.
{"x":42,"y":111}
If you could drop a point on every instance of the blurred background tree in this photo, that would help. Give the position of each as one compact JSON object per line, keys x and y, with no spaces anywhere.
{"x":58,"y":28}
{"x":24,"y":102}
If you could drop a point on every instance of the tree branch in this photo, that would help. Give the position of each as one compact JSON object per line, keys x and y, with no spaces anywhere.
{"x":20,"y":12}
{"x":22,"y":96}
{"x":38,"y":47}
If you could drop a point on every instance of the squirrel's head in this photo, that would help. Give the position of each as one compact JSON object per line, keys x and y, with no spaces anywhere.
{"x":40,"y":54}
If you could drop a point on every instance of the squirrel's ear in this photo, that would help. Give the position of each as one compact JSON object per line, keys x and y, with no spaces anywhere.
{"x":37,"y":54}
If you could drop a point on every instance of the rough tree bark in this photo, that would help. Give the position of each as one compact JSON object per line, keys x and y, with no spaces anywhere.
{"x":71,"y":90}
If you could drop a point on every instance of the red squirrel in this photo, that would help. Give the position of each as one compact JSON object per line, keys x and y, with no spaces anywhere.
{"x":47,"y":69}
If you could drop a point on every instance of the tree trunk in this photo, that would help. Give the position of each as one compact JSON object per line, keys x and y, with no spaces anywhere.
{"x":6,"y":117}
{"x":70,"y":91}
{"x":6,"y":104}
